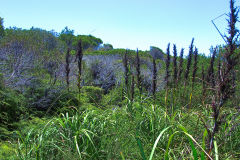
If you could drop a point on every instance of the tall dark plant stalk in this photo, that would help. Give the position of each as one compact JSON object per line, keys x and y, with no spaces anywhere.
{"x":132,"y":87}
{"x":219,"y":69}
{"x":138,"y":70}
{"x":79,"y":58}
{"x":154,"y":79}
{"x":232,"y":39}
{"x":167,"y":62}
{"x":67,"y":68}
{"x":189,"y":61}
{"x":180,"y":66}
{"x":225,"y":89}
{"x":126,"y":70}
{"x":210,"y":79}
{"x":175,"y":69}
{"x":203,"y":84}
{"x":195,"y":66}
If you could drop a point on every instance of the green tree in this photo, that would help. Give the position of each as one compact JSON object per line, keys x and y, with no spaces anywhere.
{"x":2,"y":32}
{"x":156,"y":52}
{"x":88,"y":41}
{"x":107,"y":47}
{"x":67,"y":35}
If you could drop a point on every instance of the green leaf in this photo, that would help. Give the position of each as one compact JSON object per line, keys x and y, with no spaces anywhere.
{"x":156,"y":142}
{"x":191,"y":137}
{"x":195,"y":155}
{"x":168,"y":145}
{"x":141,"y":148}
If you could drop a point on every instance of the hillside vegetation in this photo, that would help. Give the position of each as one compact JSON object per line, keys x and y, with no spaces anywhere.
{"x":66,"y":96}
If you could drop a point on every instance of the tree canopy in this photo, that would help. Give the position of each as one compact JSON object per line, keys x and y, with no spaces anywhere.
{"x":2,"y":33}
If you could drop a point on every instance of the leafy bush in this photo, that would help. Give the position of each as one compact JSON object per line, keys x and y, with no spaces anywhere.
{"x":48,"y":97}
{"x":94,"y":94}
{"x":11,"y":104}
{"x":102,"y":70}
{"x":7,"y":151}
{"x":114,"y":98}
{"x":1,"y":82}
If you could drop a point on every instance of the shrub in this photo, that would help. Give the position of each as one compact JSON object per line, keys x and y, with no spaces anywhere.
{"x":10,"y":106}
{"x":1,"y":81}
{"x":94,"y":94}
{"x":44,"y":97}
{"x":113,"y":98}
{"x":7,"y":151}
{"x":102,"y":71}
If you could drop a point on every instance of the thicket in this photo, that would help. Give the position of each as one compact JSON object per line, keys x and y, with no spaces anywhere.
{"x":72,"y":97}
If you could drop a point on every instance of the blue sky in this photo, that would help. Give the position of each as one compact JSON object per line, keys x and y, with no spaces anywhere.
{"x":125,"y":23}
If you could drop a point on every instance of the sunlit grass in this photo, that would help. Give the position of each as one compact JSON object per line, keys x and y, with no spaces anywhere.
{"x":147,"y":132}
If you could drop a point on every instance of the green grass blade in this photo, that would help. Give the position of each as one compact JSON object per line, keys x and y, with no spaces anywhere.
{"x":141,"y":148}
{"x":156,"y":142}
{"x":122,"y":156}
{"x":20,"y":136}
{"x":216,"y":149}
{"x":190,"y":136}
{"x":168,"y":145}
{"x":195,"y":155}
{"x":86,"y":132}
{"x":204,"y":145}
{"x":76,"y":143}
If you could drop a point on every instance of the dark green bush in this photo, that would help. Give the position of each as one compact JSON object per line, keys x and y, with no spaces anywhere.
{"x":93,"y":94}
{"x":7,"y":151}
{"x":10,"y":106}
{"x":1,"y":81}
{"x":113,"y":98}
{"x":44,"y":97}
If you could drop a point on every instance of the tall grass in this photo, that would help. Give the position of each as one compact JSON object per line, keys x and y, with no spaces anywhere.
{"x":145,"y":131}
